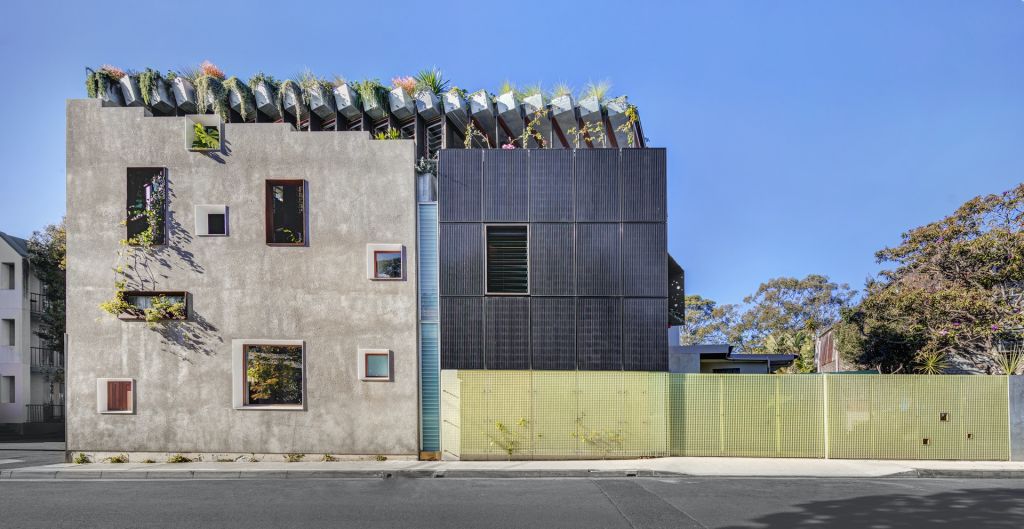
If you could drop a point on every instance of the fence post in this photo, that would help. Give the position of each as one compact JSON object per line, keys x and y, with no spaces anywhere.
{"x":824,"y":414}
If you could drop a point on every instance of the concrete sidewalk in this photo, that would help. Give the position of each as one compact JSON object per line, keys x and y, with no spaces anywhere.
{"x":667,"y":467}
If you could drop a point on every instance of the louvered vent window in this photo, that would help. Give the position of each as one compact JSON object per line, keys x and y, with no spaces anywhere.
{"x":507,"y":260}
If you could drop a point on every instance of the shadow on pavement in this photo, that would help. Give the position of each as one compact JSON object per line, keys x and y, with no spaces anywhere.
{"x":971,"y":508}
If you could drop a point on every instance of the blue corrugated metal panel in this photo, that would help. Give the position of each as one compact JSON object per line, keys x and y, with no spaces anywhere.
{"x":644,"y":261}
{"x":597,"y":260}
{"x":644,"y":347}
{"x":430,"y":388}
{"x":506,"y":191}
{"x":428,"y":261}
{"x":507,"y":332}
{"x":643,"y":185}
{"x":552,"y":271}
{"x":596,"y":173}
{"x":461,"y":257}
{"x":459,"y":181}
{"x":551,"y":197}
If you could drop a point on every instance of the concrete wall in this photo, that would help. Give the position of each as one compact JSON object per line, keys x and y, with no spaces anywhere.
{"x":359,"y":192}
{"x":1017,"y":418}
{"x":14,"y":361}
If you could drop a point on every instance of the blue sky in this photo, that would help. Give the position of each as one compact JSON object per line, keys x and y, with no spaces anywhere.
{"x":802,"y":135}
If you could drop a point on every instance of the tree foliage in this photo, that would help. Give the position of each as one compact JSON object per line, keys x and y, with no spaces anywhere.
{"x":707,"y":322}
{"x":47,"y":254}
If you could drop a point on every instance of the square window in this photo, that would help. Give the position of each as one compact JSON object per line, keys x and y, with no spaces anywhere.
{"x":203,"y":133}
{"x":211,"y":220}
{"x":375,"y":364}
{"x":385,"y":262}
{"x":286,"y":212}
{"x":268,"y":374}
{"x":146,"y":206}
{"x":508,"y":264}
{"x":115,"y":395}
{"x":6,"y":390}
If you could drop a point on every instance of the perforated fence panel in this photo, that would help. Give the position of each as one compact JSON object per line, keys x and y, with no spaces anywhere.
{"x":608,"y":414}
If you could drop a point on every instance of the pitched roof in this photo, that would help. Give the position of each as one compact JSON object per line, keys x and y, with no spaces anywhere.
{"x":20,"y":245}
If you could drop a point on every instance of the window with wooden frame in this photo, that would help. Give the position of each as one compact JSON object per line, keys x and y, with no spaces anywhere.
{"x":385,"y":262}
{"x":508,"y":259}
{"x":150,"y":305}
{"x":145,"y":211}
{"x":286,"y":212}
{"x":376,"y":365}
{"x":268,"y":374}
{"x":115,"y":395}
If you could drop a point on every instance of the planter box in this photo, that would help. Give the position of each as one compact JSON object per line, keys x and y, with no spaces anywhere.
{"x":291,"y":100}
{"x":481,"y":108}
{"x":455,"y":109}
{"x":563,"y":111}
{"x":373,"y":109}
{"x":206,"y":120}
{"x":111,"y":97}
{"x":184,"y":94}
{"x":616,"y":109}
{"x":402,"y":104}
{"x":321,"y":103}
{"x":130,"y":90}
{"x":347,"y":102}
{"x":510,"y":110}
{"x":532,"y":105}
{"x":427,"y":104}
{"x":266,"y":100}
{"x":590,"y":110}
{"x":160,"y":98}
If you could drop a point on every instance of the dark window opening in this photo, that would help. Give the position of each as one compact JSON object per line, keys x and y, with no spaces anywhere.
{"x":215,"y":224}
{"x":119,"y":396}
{"x":387,"y":264}
{"x":155,"y":306}
{"x":507,"y":260}
{"x":7,"y":277}
{"x":286,"y":212}
{"x":146,"y":206}
{"x":273,"y":375}
{"x":724,"y":370}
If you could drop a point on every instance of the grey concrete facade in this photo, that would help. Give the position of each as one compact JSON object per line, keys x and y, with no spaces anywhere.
{"x":359,"y":192}
{"x":1017,"y":418}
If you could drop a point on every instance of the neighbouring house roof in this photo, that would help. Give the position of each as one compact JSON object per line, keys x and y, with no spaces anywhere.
{"x":724,"y":352}
{"x":20,"y":245}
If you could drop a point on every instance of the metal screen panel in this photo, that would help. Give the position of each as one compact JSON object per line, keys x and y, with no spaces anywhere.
{"x":599,"y":333}
{"x":551,"y":196}
{"x":506,"y":186}
{"x":596,"y":176}
{"x":507,"y":332}
{"x":461,"y":259}
{"x":644,"y":345}
{"x":553,"y":333}
{"x":552,"y":264}
{"x":644,"y":260}
{"x":459,"y":184}
{"x":597,"y":260}
{"x":462,"y":333}
{"x":643,"y":185}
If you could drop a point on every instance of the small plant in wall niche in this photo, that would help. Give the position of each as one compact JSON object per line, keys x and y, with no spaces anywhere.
{"x":252,"y":459}
{"x":390,"y":134}
{"x":294,"y":458}
{"x":380,"y":457}
{"x":328,"y":458}
{"x":163,"y":308}
{"x":119,"y":458}
{"x":178,"y":458}
{"x":148,"y":461}
{"x":82,"y":459}
{"x":206,"y":138}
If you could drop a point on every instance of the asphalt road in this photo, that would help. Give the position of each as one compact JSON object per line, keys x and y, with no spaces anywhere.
{"x":11,"y":459}
{"x":529,"y":503}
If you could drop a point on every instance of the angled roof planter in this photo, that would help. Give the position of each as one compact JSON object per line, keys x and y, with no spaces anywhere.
{"x":184,"y":94}
{"x":482,"y":110}
{"x":346,"y":101}
{"x":455,"y":108}
{"x":375,"y":107}
{"x":563,"y":111}
{"x":240,"y":99}
{"x":402,"y":104}
{"x":590,"y":110}
{"x":531,"y":106}
{"x":291,"y":99}
{"x":160,"y":98}
{"x":509,"y":109}
{"x":428,"y":106}
{"x":130,"y":90}
{"x":266,"y":99}
{"x":321,"y":102}
{"x":617,"y":117}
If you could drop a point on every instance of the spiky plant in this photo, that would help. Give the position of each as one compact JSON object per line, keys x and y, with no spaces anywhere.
{"x":932,"y":363}
{"x":597,"y":90}
{"x":1010,"y":362}
{"x":531,"y":90}
{"x":561,"y":89}
{"x":508,"y":86}
{"x":431,"y":80}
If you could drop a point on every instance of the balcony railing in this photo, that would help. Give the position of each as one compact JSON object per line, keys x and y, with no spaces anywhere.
{"x":38,"y":302}
{"x":45,"y":412}
{"x":47,"y":358}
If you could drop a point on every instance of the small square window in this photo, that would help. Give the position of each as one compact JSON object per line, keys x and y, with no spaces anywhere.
{"x":211,"y":220}
{"x":375,"y":365}
{"x":115,"y":395}
{"x":268,"y":374}
{"x":385,"y":262}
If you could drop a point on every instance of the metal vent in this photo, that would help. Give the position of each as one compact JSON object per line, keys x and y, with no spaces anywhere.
{"x":507,"y":260}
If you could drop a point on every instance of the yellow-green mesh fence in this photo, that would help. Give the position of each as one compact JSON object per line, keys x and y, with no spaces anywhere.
{"x":608,"y":414}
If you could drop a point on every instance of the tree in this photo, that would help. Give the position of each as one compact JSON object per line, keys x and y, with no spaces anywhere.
{"x":955,"y":294}
{"x":799,"y":343}
{"x":47,"y":250}
{"x":787,"y":305}
{"x":707,"y":322}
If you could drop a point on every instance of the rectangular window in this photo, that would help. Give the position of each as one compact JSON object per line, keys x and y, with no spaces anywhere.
{"x":8,"y":333}
{"x":375,"y":364}
{"x":272,"y":375}
{"x":387,"y":265}
{"x":145,"y":210}
{"x":6,"y":390}
{"x":115,"y":395}
{"x":507,"y":260}
{"x":286,"y":212}
{"x":156,"y":306}
{"x":7,"y":276}
{"x":211,"y":220}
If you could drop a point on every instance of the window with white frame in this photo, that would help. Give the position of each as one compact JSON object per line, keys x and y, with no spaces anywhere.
{"x":385,"y":262}
{"x":6,"y":389}
{"x":212,"y":220}
{"x":268,"y":374}
{"x":115,"y":395}
{"x":376,"y":365}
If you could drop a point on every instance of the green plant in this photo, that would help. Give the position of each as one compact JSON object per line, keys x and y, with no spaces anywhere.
{"x":246,"y":100}
{"x":606,"y":441}
{"x":97,"y":81}
{"x":427,"y":165}
{"x":590,"y":132}
{"x":225,"y":460}
{"x":509,"y":439}
{"x":628,"y":127}
{"x":292,"y":86}
{"x":380,"y":457}
{"x":508,"y":86}
{"x":471,"y":134}
{"x":530,"y":131}
{"x":532,"y":90}
{"x":148,"y":79}
{"x":931,"y":363}
{"x":390,"y":134}
{"x":294,"y":458}
{"x":206,"y":137}
{"x":148,"y":461}
{"x":162,"y":308}
{"x":82,"y":459}
{"x":561,"y":89}
{"x":372,"y":92}
{"x":460,"y":91}
{"x":178,"y":458}
{"x":274,"y":373}
{"x":211,"y":93}
{"x":1010,"y":362}
{"x":119,"y":458}
{"x":431,"y":80}
{"x":269,"y":80}
{"x":597,"y":90}
{"x":328,"y":458}
{"x":311,"y":83}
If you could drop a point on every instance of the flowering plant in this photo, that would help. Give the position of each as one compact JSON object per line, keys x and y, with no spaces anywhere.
{"x":405,"y":83}
{"x":208,"y":68}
